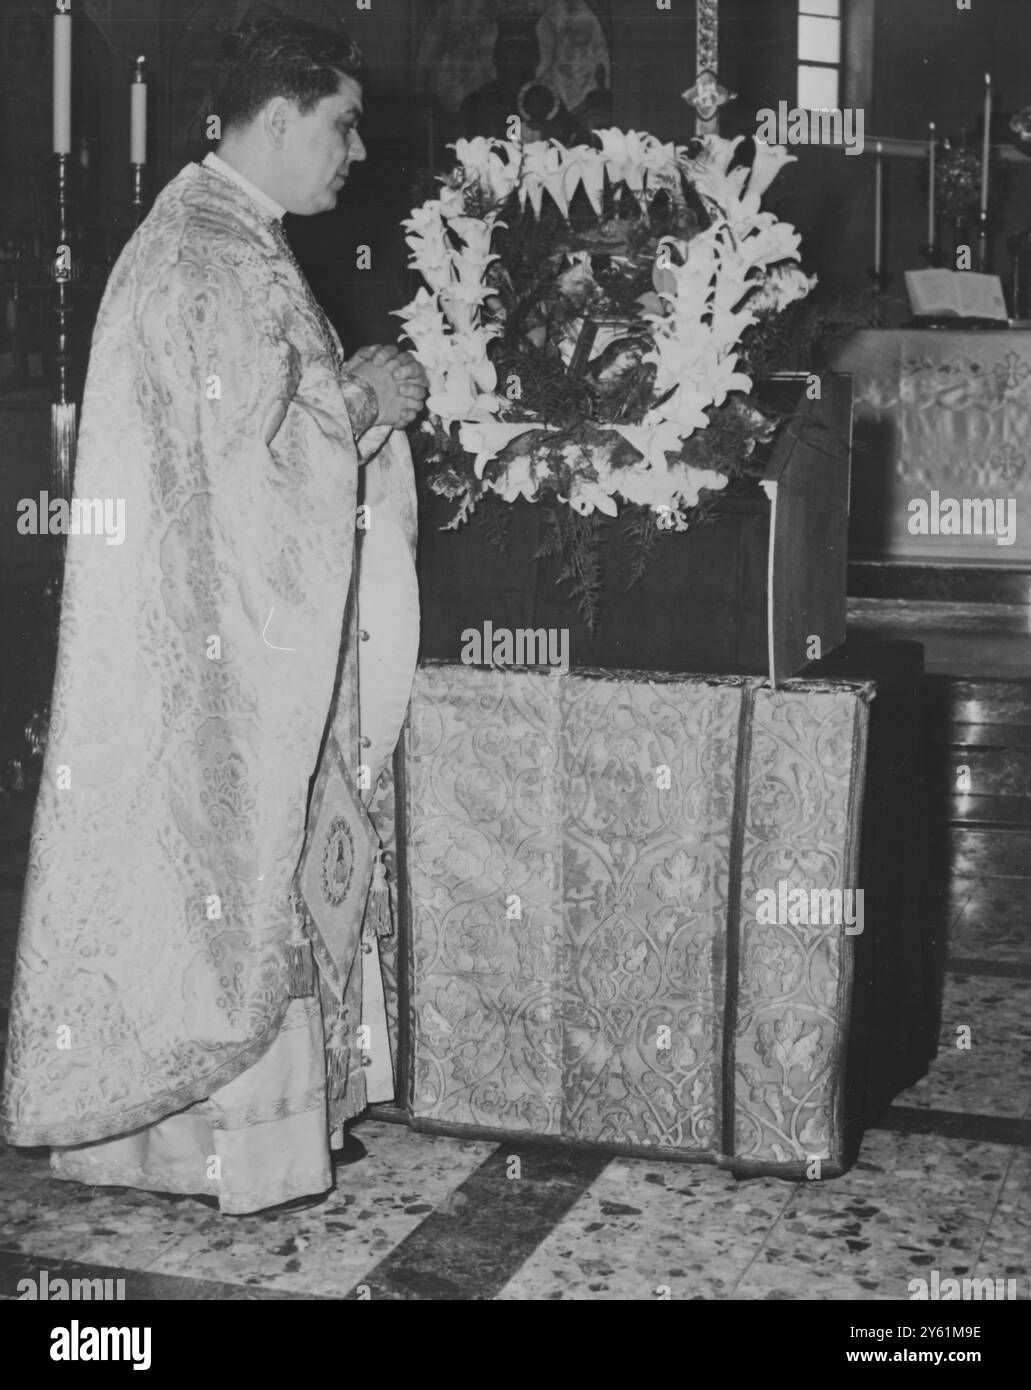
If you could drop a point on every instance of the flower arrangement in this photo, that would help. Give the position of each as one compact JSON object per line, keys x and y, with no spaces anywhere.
{"x":590,"y":322}
{"x":958,"y":180}
{"x":666,"y":248}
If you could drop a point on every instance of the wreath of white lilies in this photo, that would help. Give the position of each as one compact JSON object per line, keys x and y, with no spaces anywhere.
{"x":709,"y":290}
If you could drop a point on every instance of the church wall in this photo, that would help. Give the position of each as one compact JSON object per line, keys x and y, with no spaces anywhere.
{"x":928,"y":60}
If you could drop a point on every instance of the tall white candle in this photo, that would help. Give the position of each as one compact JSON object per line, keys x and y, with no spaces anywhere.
{"x":878,"y":187}
{"x":931,"y":229}
{"x":62,"y":82}
{"x":138,"y":116}
{"x":986,"y":145}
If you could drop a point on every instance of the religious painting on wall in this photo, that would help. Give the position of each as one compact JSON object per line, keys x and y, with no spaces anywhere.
{"x":478,"y":63}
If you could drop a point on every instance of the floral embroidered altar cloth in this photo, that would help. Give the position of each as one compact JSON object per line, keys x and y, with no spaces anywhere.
{"x":582,"y":855}
{"x":945,"y":411}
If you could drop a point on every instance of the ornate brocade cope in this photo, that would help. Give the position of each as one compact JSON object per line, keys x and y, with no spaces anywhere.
{"x":197,"y":665}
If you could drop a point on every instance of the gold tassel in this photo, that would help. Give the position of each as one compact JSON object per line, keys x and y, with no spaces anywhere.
{"x":378,"y":911}
{"x":62,"y":447}
{"x":300,"y":961}
{"x":338,"y":1057}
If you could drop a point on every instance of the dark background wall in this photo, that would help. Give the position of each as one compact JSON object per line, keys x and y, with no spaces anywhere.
{"x":918,"y":61}
{"x":923,"y":59}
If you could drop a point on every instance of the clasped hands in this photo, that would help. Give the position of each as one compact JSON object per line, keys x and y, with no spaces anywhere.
{"x":398,"y":380}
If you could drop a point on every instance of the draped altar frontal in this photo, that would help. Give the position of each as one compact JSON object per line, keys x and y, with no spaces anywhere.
{"x":582,"y":956}
{"x":940,"y":415}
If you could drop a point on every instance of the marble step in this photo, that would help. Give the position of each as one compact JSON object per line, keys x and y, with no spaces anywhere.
{"x":993,"y":853}
{"x":988,"y":812}
{"x":987,"y":770}
{"x":986,"y":584}
{"x":970,"y":641}
{"x":963,"y":700}
{"x":1015,"y":736}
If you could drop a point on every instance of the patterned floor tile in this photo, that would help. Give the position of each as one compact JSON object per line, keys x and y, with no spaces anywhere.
{"x":899,"y":1167}
{"x":909,"y":1204}
{"x":328,"y":1249}
{"x":993,"y":1075}
{"x":826,"y":1247}
{"x":471,"y":1246}
{"x":1006,"y":1252}
{"x":130,"y":1284}
{"x":647,"y":1231}
{"x":48,"y":1219}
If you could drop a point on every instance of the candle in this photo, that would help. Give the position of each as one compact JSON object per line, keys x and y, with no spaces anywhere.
{"x":931,"y":229}
{"x":62,"y":79}
{"x":878,"y":187}
{"x":138,"y":116}
{"x":986,"y":146}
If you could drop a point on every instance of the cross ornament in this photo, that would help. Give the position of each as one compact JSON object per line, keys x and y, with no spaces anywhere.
{"x":707,"y":95}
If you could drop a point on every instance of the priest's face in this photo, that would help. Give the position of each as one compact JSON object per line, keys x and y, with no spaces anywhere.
{"x":318,"y":150}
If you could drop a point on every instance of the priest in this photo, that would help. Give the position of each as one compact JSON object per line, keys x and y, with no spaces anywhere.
{"x":197,"y":1006}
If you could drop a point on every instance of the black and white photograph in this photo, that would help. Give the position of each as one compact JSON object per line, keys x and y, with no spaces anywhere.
{"x":515,"y":667}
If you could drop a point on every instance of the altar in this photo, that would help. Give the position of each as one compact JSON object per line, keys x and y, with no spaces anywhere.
{"x":942,"y":424}
{"x":581,"y":953}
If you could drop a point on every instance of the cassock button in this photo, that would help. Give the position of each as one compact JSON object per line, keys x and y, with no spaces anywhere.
{"x":367,"y":948}
{"x":363,"y":635}
{"x":366,"y":741}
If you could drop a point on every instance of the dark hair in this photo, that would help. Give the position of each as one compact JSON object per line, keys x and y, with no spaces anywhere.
{"x":266,"y":58}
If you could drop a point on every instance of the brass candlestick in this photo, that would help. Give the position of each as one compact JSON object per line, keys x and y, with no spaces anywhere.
{"x":138,"y":124}
{"x":982,"y":241}
{"x":881,"y":279}
{"x":62,"y":412}
{"x":136,"y":184}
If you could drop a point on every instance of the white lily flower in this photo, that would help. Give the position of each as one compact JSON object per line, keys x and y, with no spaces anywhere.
{"x":518,"y":480}
{"x":653,"y":440}
{"x":544,"y":170}
{"x":768,"y":162}
{"x":688,"y":482}
{"x":586,"y":496}
{"x":589,"y":171}
{"x":493,"y":164}
{"x":486,"y":438}
{"x":477,"y":233}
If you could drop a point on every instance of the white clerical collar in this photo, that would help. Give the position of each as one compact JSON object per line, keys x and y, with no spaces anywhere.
{"x":268,"y":204}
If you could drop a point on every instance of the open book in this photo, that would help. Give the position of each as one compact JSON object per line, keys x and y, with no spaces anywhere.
{"x":955,"y":294}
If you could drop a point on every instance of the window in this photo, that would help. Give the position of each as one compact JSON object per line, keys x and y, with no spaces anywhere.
{"x":819,"y":55}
